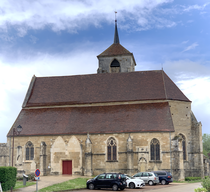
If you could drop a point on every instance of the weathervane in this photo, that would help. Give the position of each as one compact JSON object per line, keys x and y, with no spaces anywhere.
{"x":115,"y":16}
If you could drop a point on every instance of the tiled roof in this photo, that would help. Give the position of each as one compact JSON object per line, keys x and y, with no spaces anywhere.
{"x":152,"y":117}
{"x":102,"y":88}
{"x":115,"y":49}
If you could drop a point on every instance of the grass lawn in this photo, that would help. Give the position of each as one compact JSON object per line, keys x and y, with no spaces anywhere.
{"x":19,"y":184}
{"x":71,"y":184}
{"x":195,"y":181}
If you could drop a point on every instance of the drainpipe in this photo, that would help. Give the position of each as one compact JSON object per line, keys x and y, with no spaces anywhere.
{"x":10,"y":153}
{"x":170,"y":153}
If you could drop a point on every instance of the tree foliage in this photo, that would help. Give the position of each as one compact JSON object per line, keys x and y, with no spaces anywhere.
{"x":206,"y":145}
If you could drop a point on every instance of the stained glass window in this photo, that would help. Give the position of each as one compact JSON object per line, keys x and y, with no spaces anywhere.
{"x":29,"y":151}
{"x":155,"y":149}
{"x":111,"y":149}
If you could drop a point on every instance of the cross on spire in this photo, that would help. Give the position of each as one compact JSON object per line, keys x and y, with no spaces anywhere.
{"x":116,"y":36}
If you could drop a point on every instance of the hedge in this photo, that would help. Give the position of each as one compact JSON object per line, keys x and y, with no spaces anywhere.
{"x":8,"y":177}
{"x":192,"y":178}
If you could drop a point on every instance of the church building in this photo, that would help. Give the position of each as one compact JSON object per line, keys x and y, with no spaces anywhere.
{"x":118,"y":120}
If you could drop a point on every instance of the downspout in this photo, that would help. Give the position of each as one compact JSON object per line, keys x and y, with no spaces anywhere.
{"x":10,"y":153}
{"x":170,"y":153}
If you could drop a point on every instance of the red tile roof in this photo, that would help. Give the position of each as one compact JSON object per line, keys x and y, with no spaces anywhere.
{"x":102,"y":88}
{"x":152,"y":117}
{"x":115,"y":49}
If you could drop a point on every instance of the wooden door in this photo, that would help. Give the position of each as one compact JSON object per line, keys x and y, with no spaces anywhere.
{"x":67,"y":167}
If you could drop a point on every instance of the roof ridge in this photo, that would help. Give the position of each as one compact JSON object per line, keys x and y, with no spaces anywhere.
{"x":164,"y":85}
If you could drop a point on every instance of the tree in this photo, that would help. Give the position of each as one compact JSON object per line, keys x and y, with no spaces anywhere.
{"x":206,"y":145}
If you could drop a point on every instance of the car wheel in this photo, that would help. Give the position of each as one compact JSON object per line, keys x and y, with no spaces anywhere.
{"x":91,"y":186}
{"x":150,"y":182}
{"x":131,"y":185}
{"x":163,"y":182}
{"x":114,"y":187}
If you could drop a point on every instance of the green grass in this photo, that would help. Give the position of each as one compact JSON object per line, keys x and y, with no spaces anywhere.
{"x":19,"y":184}
{"x":71,"y":184}
{"x":195,"y":181}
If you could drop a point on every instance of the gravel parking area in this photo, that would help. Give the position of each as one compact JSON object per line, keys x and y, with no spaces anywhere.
{"x":146,"y":188}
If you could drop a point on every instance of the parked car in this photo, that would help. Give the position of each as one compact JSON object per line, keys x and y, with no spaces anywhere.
{"x":133,"y":182}
{"x":108,"y":180}
{"x":164,"y":177}
{"x":148,"y":177}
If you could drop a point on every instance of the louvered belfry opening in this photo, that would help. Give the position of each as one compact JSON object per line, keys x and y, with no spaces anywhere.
{"x":155,"y":150}
{"x":115,"y":66}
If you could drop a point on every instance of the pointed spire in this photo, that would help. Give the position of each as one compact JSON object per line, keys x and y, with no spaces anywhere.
{"x":116,"y":37}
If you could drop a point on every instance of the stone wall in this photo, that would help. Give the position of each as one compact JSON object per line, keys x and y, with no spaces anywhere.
{"x":126,"y":63}
{"x":4,"y":154}
{"x":89,"y":153}
{"x":186,"y":124}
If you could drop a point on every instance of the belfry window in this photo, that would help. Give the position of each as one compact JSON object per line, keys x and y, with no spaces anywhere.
{"x":183,"y":146}
{"x":111,"y":149}
{"x":29,"y":151}
{"x":155,"y":149}
{"x":115,"y":66}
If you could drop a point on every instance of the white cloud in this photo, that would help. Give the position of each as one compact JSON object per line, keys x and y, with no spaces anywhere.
{"x":193,"y":78}
{"x":33,"y":39}
{"x":73,"y":15}
{"x":184,"y":42}
{"x":193,"y":46}
{"x":15,"y":79}
{"x":195,"y":7}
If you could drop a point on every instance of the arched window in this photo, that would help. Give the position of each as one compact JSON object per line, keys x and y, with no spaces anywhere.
{"x":183,"y":146}
{"x":29,"y":151}
{"x":115,"y":66}
{"x":111,"y":149}
{"x":155,"y":149}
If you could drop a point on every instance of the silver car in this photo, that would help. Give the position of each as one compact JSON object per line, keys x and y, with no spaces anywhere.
{"x":148,"y":177}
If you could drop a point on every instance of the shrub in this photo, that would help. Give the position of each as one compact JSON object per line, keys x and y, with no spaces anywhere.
{"x":206,"y":183}
{"x":192,"y":178}
{"x":8,"y":177}
{"x":200,"y":190}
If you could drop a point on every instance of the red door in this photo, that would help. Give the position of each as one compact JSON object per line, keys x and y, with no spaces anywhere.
{"x":67,"y":167}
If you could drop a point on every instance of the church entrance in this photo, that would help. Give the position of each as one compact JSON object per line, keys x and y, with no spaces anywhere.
{"x":67,"y":167}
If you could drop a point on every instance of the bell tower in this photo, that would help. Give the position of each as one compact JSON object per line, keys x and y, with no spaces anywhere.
{"x":116,"y":58}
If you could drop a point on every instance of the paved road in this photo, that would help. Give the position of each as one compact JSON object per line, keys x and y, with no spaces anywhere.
{"x":174,"y":187}
{"x":177,"y":188}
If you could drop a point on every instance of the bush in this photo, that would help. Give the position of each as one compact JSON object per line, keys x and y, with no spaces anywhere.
{"x":206,"y":183}
{"x":200,"y":190}
{"x":192,"y":178}
{"x":8,"y":177}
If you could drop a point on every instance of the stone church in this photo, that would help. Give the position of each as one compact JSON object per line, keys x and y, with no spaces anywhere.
{"x":117,"y":120}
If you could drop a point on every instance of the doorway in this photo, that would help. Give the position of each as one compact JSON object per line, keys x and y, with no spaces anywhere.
{"x":67,"y":167}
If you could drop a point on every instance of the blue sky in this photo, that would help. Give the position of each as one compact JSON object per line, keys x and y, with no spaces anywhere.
{"x":47,"y":38}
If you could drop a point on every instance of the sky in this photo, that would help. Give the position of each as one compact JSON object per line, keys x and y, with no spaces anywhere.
{"x":56,"y":38}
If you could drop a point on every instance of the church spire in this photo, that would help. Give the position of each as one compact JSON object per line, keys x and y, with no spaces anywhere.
{"x":116,"y":37}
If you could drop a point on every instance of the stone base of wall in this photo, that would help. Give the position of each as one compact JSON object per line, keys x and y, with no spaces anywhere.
{"x":20,"y":173}
{"x":193,"y":173}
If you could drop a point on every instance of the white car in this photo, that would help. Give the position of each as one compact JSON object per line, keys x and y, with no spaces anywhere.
{"x":133,"y":182}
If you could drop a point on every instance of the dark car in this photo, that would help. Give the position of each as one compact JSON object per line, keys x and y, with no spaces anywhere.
{"x":108,"y":180}
{"x":164,"y":177}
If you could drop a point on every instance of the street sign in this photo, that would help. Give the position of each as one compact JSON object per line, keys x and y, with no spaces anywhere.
{"x":37,"y":173}
{"x":37,"y":178}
